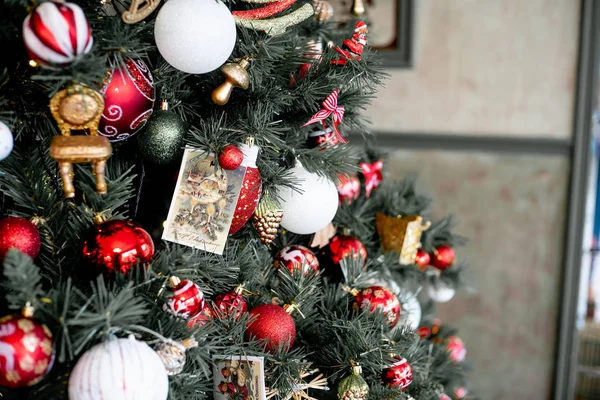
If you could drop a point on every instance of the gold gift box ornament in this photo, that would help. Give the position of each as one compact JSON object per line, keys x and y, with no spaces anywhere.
{"x":79,"y":108}
{"x":401,"y":234}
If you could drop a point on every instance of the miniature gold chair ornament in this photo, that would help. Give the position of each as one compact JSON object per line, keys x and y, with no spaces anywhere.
{"x":79,"y":108}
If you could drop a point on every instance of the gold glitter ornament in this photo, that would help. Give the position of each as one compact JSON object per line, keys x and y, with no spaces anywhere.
{"x":401,"y":234}
{"x":277,"y":26}
{"x":236,"y":75}
{"x":353,"y":387}
{"x":172,"y":354}
{"x":323,"y":10}
{"x":267,"y":218}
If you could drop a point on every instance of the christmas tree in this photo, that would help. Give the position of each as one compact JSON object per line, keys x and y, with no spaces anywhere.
{"x":186,"y":218}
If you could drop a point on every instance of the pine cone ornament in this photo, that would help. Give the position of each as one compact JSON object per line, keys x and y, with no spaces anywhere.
{"x":172,"y":354}
{"x":267,"y":218}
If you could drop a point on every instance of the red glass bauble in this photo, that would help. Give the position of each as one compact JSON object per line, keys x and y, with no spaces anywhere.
{"x":118,"y":245}
{"x":326,"y":138}
{"x":26,"y":350}
{"x":342,"y":246}
{"x":348,"y":188}
{"x":250,"y":191}
{"x":424,"y":332}
{"x":456,"y":348}
{"x":21,"y":234}
{"x":422,"y":259}
{"x":399,"y":375}
{"x":229,"y":303}
{"x":231,"y":157}
{"x":272,"y":325}
{"x":128,"y":100}
{"x":187,"y":300}
{"x":443,"y":257}
{"x":296,"y":257}
{"x":378,"y":297}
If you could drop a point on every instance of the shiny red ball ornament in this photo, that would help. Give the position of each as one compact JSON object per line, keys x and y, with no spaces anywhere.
{"x":187,"y":300}
{"x":443,"y":257}
{"x":348,"y":188}
{"x":456,"y":348}
{"x":378,"y":297}
{"x":424,"y":332}
{"x":250,"y":191}
{"x":21,"y":234}
{"x":295,"y":258}
{"x":231,"y":157}
{"x":118,"y":245}
{"x":26,"y":351}
{"x":229,"y":303}
{"x":399,"y":375}
{"x":272,"y":325}
{"x":342,"y":246}
{"x":128,"y":100}
{"x":422,"y":259}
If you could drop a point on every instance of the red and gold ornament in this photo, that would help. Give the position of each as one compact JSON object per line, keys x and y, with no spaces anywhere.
{"x":251,"y":188}
{"x":27,"y":350}
{"x":379,"y":298}
{"x":272,"y":325}
{"x":422,"y":259}
{"x":348,"y":188}
{"x":187,"y":300}
{"x":128,"y":100}
{"x":21,"y":234}
{"x":57,"y":33}
{"x":342,"y":246}
{"x":372,"y":174}
{"x":118,"y":245}
{"x":443,"y":257}
{"x":295,"y":258}
{"x":399,"y":375}
{"x":231,"y":157}
{"x":229,"y":303}
{"x":456,"y":348}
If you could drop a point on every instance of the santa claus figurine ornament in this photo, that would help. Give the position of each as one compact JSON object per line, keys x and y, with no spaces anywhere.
{"x":352,"y":48}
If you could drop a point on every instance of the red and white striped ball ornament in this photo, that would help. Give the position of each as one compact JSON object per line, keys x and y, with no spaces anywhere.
{"x":124,"y":369}
{"x":57,"y":33}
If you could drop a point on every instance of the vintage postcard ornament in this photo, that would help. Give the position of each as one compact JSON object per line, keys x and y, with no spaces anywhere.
{"x":203,"y":203}
{"x":236,"y":377}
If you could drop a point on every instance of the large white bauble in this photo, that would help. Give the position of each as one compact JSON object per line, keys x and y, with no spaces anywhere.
{"x":410,"y":313}
{"x":119,"y":369}
{"x":313,"y":207}
{"x":6,"y":141}
{"x":195,"y":36}
{"x":439,"y":291}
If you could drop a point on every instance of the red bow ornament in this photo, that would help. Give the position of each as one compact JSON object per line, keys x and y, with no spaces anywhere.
{"x":330,"y":107}
{"x":372,"y":174}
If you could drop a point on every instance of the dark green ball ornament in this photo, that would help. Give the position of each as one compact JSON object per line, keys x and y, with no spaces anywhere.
{"x":162,"y":139}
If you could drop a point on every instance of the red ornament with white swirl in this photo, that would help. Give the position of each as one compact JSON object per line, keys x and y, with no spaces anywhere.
{"x":378,"y":297}
{"x":128,"y":100}
{"x":251,"y":188}
{"x":187,"y":300}
{"x":398,"y":375}
{"x":57,"y":33}
{"x":348,"y":188}
{"x":295,"y":258}
{"x":26,"y":351}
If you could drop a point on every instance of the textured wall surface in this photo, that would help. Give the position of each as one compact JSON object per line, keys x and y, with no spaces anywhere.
{"x":498,"y":67}
{"x":513,"y":210}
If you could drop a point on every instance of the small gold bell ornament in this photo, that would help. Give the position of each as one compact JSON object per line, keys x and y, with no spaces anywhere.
{"x":79,"y":108}
{"x":353,"y":387}
{"x":236,"y":75}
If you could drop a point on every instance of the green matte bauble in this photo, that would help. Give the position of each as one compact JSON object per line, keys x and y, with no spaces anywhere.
{"x":162,"y":140}
{"x":353,"y":387}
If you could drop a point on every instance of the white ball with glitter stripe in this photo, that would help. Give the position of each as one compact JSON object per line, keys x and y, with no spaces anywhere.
{"x":6,"y":141}
{"x":57,"y":33}
{"x":119,"y":369}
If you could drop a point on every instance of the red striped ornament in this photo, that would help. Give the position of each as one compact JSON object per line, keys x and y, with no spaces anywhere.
{"x":57,"y":33}
{"x":250,"y":191}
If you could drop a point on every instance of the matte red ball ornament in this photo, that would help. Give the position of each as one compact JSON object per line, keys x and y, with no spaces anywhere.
{"x":20,"y":234}
{"x":342,"y":246}
{"x":26,"y":351}
{"x":295,"y":258}
{"x":378,"y":297}
{"x":229,"y":303}
{"x":128,"y":100}
{"x":399,"y":375}
{"x":187,"y":300}
{"x":118,"y":245}
{"x":422,"y":259}
{"x":348,"y":188}
{"x":231,"y":157}
{"x":456,"y":348}
{"x":57,"y":33}
{"x":443,"y":257}
{"x":250,"y":191}
{"x":272,"y":325}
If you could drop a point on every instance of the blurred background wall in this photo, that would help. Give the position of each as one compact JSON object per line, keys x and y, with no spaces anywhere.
{"x":488,"y":69}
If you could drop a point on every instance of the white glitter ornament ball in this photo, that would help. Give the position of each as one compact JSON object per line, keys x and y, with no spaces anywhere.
{"x":195,"y":36}
{"x":6,"y":141}
{"x":312,"y":207}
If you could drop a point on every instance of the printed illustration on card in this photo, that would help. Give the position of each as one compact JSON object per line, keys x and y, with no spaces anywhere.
{"x":203,"y":203}
{"x":236,"y":377}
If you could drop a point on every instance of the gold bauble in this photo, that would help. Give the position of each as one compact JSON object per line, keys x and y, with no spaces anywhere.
{"x":353,"y":387}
